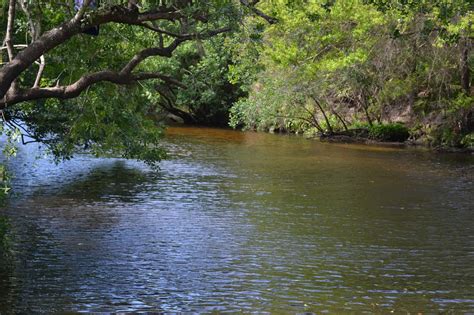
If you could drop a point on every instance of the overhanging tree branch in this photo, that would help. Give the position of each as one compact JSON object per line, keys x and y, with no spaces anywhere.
{"x":75,"y":89}
{"x":56,"y":36}
{"x":83,"y":20}
{"x":124,"y":76}
{"x":9,"y":32}
{"x":251,"y":6}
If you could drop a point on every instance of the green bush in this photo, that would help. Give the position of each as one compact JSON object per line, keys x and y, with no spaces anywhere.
{"x":445,"y":137}
{"x":389,"y":132}
{"x":360,"y":125}
{"x":468,"y":141}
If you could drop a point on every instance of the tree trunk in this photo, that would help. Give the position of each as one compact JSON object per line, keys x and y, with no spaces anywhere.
{"x":465,"y":72}
{"x":33,"y":52}
{"x":363,"y":104}
{"x":9,"y":39}
{"x":324,"y":115}
{"x":10,"y":27}
{"x":341,"y":120}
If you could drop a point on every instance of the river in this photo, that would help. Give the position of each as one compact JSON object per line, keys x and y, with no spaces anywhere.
{"x":240,"y":222}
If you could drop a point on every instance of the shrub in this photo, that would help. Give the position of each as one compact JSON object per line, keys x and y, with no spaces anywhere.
{"x":468,"y":141}
{"x":445,"y":137}
{"x":389,"y":132}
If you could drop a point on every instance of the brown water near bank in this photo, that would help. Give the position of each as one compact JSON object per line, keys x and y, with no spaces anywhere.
{"x":239,"y":221}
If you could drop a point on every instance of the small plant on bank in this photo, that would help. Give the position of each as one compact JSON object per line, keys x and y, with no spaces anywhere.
{"x":395,"y":132}
{"x":446,"y":137}
{"x":468,"y":141}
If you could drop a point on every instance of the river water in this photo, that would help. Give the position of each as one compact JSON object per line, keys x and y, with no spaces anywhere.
{"x":243,"y":222}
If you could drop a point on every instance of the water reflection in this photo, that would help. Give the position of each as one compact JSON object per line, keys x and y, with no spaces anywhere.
{"x":245,"y":222}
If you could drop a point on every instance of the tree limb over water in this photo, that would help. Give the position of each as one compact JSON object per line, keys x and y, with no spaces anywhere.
{"x":174,"y":21}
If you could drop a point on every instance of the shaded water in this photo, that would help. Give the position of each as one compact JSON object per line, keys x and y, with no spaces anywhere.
{"x":244,"y":222}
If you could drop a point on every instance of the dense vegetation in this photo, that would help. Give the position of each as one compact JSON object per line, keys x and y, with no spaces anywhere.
{"x":384,"y":70}
{"x":202,"y":67}
{"x":95,"y":76}
{"x":103,"y":76}
{"x":101,"y":93}
{"x":332,"y":66}
{"x":325,"y":67}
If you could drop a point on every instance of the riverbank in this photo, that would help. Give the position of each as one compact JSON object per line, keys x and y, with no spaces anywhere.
{"x":354,"y":136}
{"x":413,"y":143}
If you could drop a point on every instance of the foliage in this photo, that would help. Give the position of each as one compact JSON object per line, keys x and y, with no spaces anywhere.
{"x":456,"y":125}
{"x":327,"y":64}
{"x":209,"y":94}
{"x":389,"y":132}
{"x":468,"y":141}
{"x":106,"y":119}
{"x":203,"y":67}
{"x":4,"y":183}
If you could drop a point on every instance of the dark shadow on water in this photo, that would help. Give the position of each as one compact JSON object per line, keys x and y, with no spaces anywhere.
{"x":87,"y":180}
{"x":65,"y":210}
{"x":118,"y":180}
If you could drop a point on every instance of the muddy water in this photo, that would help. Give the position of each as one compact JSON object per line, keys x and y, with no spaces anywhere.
{"x":239,"y":221}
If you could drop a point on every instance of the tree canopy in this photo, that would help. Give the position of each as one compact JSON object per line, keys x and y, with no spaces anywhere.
{"x":70,"y":90}
{"x":327,"y":66}
{"x":97,"y":75}
{"x":314,"y":66}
